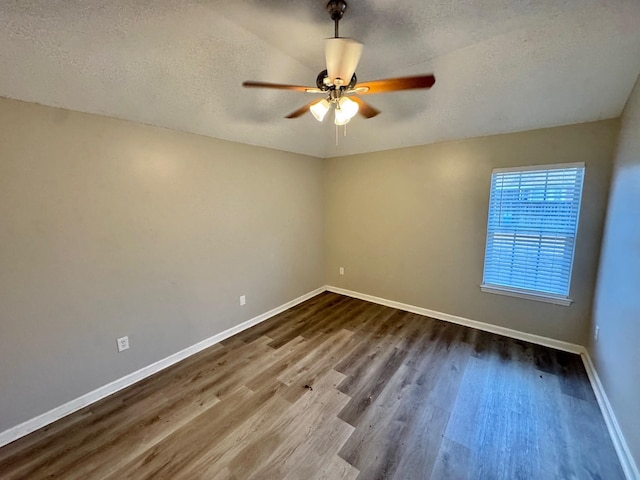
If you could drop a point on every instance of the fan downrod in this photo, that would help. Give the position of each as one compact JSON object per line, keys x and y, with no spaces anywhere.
{"x":336,"y":9}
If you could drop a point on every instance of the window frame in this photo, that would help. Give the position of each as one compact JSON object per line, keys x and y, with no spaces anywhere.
{"x":536,"y":295}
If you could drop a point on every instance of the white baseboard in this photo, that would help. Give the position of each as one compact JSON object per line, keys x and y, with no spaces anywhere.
{"x":487,"y":327}
{"x":624,"y":454}
{"x":76,"y":404}
{"x":619,"y":442}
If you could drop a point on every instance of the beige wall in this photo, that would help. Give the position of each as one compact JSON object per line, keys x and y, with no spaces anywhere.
{"x":616,"y":353}
{"x":409,"y":225}
{"x":110,"y":228}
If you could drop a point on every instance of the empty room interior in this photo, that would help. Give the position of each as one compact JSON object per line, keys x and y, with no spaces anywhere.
{"x":334,"y":239}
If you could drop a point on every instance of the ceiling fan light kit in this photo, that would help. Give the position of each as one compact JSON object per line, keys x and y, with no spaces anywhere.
{"x":339,"y":83}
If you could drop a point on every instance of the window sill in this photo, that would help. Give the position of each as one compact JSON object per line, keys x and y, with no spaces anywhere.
{"x":539,"y":297}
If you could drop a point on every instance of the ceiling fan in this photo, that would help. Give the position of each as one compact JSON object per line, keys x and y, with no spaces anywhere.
{"x":338,"y":83}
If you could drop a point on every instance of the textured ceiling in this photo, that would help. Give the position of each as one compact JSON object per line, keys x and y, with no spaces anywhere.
{"x":501,"y":66}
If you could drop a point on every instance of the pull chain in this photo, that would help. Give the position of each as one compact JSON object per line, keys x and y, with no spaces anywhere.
{"x":344,"y":133}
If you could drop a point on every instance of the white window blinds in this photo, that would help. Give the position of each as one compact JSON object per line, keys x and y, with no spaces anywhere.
{"x":531,"y":232}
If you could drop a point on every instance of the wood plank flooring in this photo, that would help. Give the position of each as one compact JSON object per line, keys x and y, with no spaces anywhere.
{"x":339,"y":388}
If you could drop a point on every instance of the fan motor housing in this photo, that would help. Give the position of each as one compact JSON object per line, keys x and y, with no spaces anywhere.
{"x":323,"y":86}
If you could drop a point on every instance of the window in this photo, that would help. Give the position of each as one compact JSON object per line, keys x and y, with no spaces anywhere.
{"x":531,"y":231}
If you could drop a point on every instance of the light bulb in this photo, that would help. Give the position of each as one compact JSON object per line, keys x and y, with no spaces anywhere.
{"x":348,"y":107}
{"x":340,"y":117}
{"x":320,"y":109}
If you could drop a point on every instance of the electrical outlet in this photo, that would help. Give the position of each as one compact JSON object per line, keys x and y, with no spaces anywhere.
{"x":596,"y":333}
{"x":123,"y":343}
{"x":243,"y":300}
{"x":341,"y":270}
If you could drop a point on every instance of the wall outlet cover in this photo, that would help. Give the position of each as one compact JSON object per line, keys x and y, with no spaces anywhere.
{"x":123,"y":343}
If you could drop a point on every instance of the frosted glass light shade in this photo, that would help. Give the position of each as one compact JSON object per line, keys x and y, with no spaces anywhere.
{"x":349,"y":107}
{"x":340,"y":117}
{"x":320,"y":109}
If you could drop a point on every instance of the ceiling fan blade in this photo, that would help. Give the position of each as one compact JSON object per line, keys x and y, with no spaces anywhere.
{"x":365,"y":109}
{"x":302,"y":110}
{"x":342,"y":56}
{"x":395,"y":84}
{"x":279,"y":86}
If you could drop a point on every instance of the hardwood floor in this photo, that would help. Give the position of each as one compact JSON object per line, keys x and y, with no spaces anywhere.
{"x":339,"y":388}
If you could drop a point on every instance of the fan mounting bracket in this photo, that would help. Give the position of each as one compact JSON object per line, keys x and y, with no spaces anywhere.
{"x":336,"y":9}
